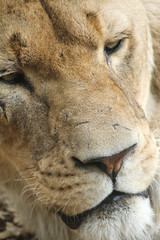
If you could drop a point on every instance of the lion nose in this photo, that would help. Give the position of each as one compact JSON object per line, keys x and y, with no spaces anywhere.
{"x":111,"y":165}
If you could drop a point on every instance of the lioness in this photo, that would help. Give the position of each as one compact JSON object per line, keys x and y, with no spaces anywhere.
{"x":79,"y":109}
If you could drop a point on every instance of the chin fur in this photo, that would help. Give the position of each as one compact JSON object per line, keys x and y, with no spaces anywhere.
{"x":133,"y":220}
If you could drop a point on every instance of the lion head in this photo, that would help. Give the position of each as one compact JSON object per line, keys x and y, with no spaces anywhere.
{"x":76,"y":143}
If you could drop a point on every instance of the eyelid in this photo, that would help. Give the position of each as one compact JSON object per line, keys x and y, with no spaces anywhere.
{"x":122,"y":35}
{"x":119,"y":36}
{"x":116,"y":39}
{"x":9,"y":77}
{"x":111,"y":50}
{"x":5,"y":72}
{"x":18,"y":78}
{"x":109,"y":44}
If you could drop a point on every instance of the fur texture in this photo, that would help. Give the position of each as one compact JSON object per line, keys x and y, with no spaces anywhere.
{"x":65,"y":101}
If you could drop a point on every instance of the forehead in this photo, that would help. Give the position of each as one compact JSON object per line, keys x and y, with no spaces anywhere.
{"x":71,"y":11}
{"x":80,"y":15}
{"x":34,"y":26}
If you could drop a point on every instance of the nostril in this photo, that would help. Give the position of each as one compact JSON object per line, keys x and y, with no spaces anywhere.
{"x":80,"y":164}
{"x":111,"y":165}
{"x":114,"y":163}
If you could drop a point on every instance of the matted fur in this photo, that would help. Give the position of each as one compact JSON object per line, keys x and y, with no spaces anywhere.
{"x":62,"y":98}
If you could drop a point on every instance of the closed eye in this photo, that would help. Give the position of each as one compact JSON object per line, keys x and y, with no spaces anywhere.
{"x":17,"y":78}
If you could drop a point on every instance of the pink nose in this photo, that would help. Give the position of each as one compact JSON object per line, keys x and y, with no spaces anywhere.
{"x":111,"y":164}
{"x":114,"y":163}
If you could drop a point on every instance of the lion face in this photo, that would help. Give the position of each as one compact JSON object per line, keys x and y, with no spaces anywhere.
{"x":74,"y":91}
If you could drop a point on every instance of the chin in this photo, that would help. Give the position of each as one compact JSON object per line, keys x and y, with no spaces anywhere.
{"x":127,"y":217}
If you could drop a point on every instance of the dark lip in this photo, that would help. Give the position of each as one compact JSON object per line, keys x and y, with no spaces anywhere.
{"x":75,"y":221}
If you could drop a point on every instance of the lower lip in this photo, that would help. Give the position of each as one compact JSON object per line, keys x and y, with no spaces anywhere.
{"x":75,"y":221}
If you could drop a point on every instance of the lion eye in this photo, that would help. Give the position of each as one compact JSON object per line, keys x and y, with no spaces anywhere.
{"x":112,"y":47}
{"x":9,"y":78}
{"x":17,"y":78}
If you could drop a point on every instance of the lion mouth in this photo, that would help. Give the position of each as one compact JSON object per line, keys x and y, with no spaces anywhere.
{"x":75,"y":221}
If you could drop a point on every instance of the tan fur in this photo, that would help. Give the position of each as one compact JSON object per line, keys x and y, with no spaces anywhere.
{"x":71,"y":104}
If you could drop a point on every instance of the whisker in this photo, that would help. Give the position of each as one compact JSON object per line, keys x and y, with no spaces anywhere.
{"x":25,"y":173}
{"x":26,"y":179}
